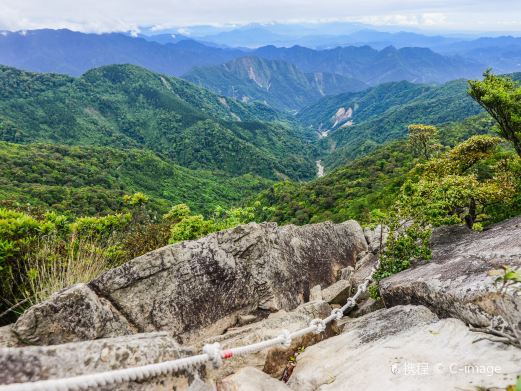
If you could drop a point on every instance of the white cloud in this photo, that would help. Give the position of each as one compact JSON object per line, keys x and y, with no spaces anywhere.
{"x":129,"y":15}
{"x":184,"y":31}
{"x":425,"y":19}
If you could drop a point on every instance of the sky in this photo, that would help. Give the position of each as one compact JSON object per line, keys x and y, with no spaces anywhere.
{"x":132,"y":15}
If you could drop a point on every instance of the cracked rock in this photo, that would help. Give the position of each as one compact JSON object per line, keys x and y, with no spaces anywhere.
{"x":198,"y":288}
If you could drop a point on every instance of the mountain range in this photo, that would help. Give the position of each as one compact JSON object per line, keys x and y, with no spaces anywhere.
{"x":373,"y":66}
{"x":277,"y":83}
{"x":125,"y":107}
{"x":74,"y":53}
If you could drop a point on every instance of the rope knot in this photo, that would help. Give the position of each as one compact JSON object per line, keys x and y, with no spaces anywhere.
{"x":337,"y":313}
{"x":319,"y":325}
{"x":214,"y":353}
{"x":349,"y":303}
{"x":363,"y":287}
{"x":286,"y":338}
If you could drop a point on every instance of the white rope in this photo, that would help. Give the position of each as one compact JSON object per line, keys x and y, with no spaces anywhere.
{"x":211,"y":353}
{"x":215,"y":353}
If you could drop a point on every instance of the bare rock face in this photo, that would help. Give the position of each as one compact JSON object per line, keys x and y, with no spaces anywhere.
{"x":315,"y":293}
{"x":363,"y":268}
{"x":52,"y":362}
{"x":406,"y":348}
{"x":199,"y":288}
{"x":369,"y":305}
{"x":376,"y":238}
{"x":8,"y":339}
{"x":76,"y":313}
{"x":272,"y":361}
{"x":251,"y":379}
{"x":337,"y":293}
{"x":459,"y":281}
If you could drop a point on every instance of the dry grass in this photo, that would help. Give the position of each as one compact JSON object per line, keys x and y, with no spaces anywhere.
{"x":55,"y":266}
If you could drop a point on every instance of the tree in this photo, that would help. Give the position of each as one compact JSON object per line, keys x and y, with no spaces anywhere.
{"x":459,"y":185}
{"x":422,"y":139}
{"x":187,"y":226}
{"x":501,"y":97}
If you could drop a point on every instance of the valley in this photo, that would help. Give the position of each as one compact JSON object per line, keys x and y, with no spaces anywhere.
{"x":127,"y":113}
{"x":192,"y":130}
{"x":323,"y":199}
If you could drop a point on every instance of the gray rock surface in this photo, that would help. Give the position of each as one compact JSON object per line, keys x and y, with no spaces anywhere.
{"x":198,"y":288}
{"x":459,"y":281}
{"x":49,"y":362}
{"x":337,"y":293}
{"x":8,"y":338}
{"x":346,"y":273}
{"x":251,"y":379}
{"x":274,"y":360}
{"x":366,"y":307}
{"x":315,"y":293}
{"x":376,"y":238}
{"x":363,"y":268}
{"x":405,"y":348}
{"x":246,"y":319}
{"x":73,"y":314}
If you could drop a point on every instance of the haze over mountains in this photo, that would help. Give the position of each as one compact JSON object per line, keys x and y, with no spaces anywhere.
{"x":74,"y":53}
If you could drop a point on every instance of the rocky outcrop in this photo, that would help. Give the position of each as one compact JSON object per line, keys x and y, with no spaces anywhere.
{"x":376,"y":237}
{"x":53,"y":362}
{"x":459,"y":280}
{"x":272,"y":361}
{"x":199,"y":288}
{"x":73,"y":314}
{"x":248,"y":284}
{"x":337,"y":293}
{"x":406,"y":348}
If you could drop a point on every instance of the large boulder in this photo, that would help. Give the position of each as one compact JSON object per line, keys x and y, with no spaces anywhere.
{"x":459,"y":280}
{"x":75,"y":313}
{"x":34,"y":363}
{"x":199,"y":288}
{"x":337,"y":293}
{"x":406,"y":348}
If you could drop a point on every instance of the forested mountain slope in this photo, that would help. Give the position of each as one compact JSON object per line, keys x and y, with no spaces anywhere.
{"x":279,"y":84}
{"x":363,"y":185}
{"x":124,"y":106}
{"x":356,"y":123}
{"x":92,"y":180}
{"x":353,"y":124}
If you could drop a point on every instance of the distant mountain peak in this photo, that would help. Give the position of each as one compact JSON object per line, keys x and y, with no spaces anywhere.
{"x":280,"y":84}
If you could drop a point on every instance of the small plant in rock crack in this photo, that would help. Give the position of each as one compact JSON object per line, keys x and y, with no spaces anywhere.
{"x":510,"y":281}
{"x":505,"y":328}
{"x":292,"y":363}
{"x":515,"y":387}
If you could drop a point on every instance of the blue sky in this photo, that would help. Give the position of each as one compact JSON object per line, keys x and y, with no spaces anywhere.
{"x":125,"y":15}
